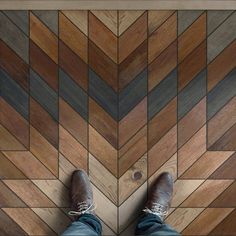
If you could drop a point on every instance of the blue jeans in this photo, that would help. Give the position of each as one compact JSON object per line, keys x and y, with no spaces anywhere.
{"x":149,"y":224}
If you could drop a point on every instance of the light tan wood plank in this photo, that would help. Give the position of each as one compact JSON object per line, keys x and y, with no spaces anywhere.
{"x":29,"y":193}
{"x":103,"y":179}
{"x":132,"y":179}
{"x":79,"y":18}
{"x":207,"y":221}
{"x":29,"y":221}
{"x":191,"y":150}
{"x":55,"y":191}
{"x":182,"y":189}
{"x":206,"y":193}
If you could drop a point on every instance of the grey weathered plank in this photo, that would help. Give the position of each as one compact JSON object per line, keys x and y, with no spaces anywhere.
{"x":192,"y":94}
{"x":14,"y":37}
{"x":14,"y":94}
{"x":43,"y":94}
{"x":73,"y":94}
{"x":132,"y":94}
{"x":162,"y":94}
{"x":103,"y":94}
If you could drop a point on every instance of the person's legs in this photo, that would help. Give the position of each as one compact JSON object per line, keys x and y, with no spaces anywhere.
{"x":152,"y":225}
{"x":82,"y":208}
{"x":159,"y":200}
{"x":86,"y":224}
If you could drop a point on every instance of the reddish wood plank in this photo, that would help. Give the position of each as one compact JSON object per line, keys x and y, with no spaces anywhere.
{"x":102,"y":122}
{"x":14,"y":65}
{"x":160,"y":124}
{"x":103,"y":65}
{"x":73,"y":65}
{"x":162,"y":65}
{"x":73,"y":122}
{"x":43,"y":122}
{"x":41,"y":63}
{"x":162,"y":37}
{"x":43,"y":37}
{"x":14,"y":122}
{"x":192,"y":65}
{"x":133,"y":37}
{"x":103,"y":37}
{"x":192,"y":37}
{"x":73,"y":37}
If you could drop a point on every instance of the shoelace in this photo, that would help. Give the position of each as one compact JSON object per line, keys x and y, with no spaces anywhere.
{"x":82,"y":208}
{"x":157,"y":209}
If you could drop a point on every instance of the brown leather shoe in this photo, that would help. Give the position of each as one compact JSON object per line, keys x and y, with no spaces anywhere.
{"x":81,"y":194}
{"x":160,"y":196}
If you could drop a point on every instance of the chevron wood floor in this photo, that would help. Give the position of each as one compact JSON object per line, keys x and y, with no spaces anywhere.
{"x":124,"y":95}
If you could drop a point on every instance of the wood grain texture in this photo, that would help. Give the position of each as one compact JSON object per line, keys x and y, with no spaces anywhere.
{"x":206,"y":165}
{"x":182,"y":189}
{"x":28,"y":221}
{"x":221,"y":122}
{"x":73,"y":65}
{"x":226,"y":199}
{"x":160,"y":124}
{"x":226,"y":170}
{"x":162,"y":151}
{"x":207,"y":221}
{"x":132,"y":179}
{"x":47,"y":155}
{"x":107,"y":41}
{"x":29,"y":193}
{"x":192,"y":150}
{"x":133,"y":37}
{"x":33,"y":169}
{"x":157,"y":18}
{"x":8,"y":141}
{"x":102,"y":122}
{"x":162,"y":37}
{"x":43,"y":122}
{"x":227,"y":141}
{"x":14,"y":123}
{"x":43,"y":37}
{"x":181,"y":217}
{"x":132,"y":150}
{"x":133,"y":65}
{"x":71,"y":35}
{"x":8,"y":170}
{"x":14,"y":37}
{"x":103,"y":65}
{"x":9,"y":198}
{"x":162,"y":65}
{"x":192,"y":65}
{"x":42,"y":64}
{"x":192,"y":122}
{"x":103,"y":179}
{"x":126,"y":19}
{"x":9,"y":226}
{"x":78,"y":18}
{"x":131,"y":123}
{"x":221,"y":66}
{"x":72,"y":149}
{"x":108,"y":18}
{"x":192,"y":37}
{"x":213,"y":188}
{"x":73,"y":122}
{"x":226,"y":227}
{"x":102,"y":150}
{"x":14,"y":65}
{"x":55,"y":191}
{"x":54,"y":218}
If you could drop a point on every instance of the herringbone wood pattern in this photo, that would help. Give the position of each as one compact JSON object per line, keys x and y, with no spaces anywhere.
{"x":124,"y":95}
